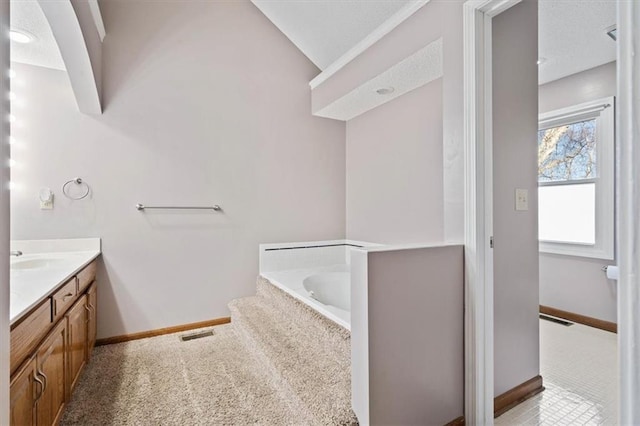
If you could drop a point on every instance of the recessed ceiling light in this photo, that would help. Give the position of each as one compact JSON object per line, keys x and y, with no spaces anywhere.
{"x":385,"y":90}
{"x":541,"y":60}
{"x":20,"y":36}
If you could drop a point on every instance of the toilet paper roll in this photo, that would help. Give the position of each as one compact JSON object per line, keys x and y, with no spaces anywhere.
{"x":613,"y":273}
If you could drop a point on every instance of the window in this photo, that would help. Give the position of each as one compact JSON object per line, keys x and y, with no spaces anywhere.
{"x":576,"y":180}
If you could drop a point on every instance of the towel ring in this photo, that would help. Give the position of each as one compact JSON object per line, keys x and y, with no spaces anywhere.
{"x":77,"y":181}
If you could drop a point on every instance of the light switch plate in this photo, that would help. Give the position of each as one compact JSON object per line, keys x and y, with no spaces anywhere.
{"x":522,"y":199}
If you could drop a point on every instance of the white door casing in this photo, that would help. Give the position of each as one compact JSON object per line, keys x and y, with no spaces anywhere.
{"x":478,"y":228}
{"x":628,"y":203}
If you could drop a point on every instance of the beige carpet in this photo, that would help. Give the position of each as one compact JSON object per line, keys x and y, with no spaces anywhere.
{"x":277,"y":363}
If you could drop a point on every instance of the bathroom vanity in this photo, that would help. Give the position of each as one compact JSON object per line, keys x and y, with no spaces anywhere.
{"x":53,"y":329}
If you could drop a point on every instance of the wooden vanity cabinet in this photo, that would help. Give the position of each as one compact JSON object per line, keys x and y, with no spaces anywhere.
{"x":92,"y":322}
{"x":51,"y":367}
{"x":86,"y":276}
{"x":26,"y":335}
{"x":24,"y":390}
{"x":49,"y":348}
{"x":78,"y":334}
{"x":64,"y":298}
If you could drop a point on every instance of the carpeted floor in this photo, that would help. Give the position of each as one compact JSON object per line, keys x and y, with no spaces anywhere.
{"x":262,"y":369}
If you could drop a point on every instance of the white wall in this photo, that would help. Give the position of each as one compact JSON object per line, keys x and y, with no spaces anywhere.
{"x":4,"y":213}
{"x":205,"y":102}
{"x":577,"y":284}
{"x":515,"y":126}
{"x":394,"y":170}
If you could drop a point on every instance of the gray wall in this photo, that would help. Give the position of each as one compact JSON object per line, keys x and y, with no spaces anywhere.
{"x":577,"y":284}
{"x":205,"y":102}
{"x":4,"y":214}
{"x":515,"y":125}
{"x":409,"y":370}
{"x":394,"y":170}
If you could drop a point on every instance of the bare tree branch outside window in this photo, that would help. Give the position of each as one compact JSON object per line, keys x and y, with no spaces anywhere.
{"x":567,"y":152}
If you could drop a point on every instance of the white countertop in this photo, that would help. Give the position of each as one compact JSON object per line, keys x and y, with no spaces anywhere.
{"x":45,"y":265}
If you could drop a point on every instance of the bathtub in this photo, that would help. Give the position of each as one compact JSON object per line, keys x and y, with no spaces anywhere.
{"x":317,"y":273}
{"x":325,"y":289}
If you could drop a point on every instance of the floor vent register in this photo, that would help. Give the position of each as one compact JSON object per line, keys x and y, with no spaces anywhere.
{"x":198,"y":335}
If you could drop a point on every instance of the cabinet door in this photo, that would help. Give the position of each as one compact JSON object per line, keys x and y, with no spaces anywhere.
{"x":51,"y":369}
{"x":77,"y":352}
{"x":92,"y":325}
{"x":25,"y":388}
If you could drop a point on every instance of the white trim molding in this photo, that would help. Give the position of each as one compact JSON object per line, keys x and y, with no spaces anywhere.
{"x":385,"y":28}
{"x":66,"y":30}
{"x":94,"y":7}
{"x":478,"y":221}
{"x":628,"y":161}
{"x":5,"y":201}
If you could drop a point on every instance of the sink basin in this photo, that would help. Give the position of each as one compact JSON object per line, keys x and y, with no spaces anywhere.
{"x":35,"y":263}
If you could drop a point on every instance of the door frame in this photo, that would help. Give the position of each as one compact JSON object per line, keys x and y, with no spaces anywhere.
{"x":4,"y":211}
{"x":478,"y":193}
{"x":628,"y":203}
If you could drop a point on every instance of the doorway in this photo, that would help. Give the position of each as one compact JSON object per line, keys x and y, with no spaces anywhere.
{"x":478,"y":229}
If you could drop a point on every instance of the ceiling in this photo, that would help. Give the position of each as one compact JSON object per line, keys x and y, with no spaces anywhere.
{"x":326,"y":29}
{"x":43,"y":51}
{"x":572,"y":36}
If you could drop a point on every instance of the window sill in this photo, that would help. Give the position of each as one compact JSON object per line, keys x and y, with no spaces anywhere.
{"x":576,"y":250}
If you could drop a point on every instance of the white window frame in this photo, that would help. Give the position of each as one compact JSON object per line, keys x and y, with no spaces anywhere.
{"x":603,"y":111}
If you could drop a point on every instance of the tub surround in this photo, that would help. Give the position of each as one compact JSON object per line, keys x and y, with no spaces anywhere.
{"x":407,"y":328}
{"x":405,"y":316}
{"x":43,"y":266}
{"x":287,"y":265}
{"x":316,"y":254}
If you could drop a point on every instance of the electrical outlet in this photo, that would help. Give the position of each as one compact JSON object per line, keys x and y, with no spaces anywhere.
{"x":522,"y":199}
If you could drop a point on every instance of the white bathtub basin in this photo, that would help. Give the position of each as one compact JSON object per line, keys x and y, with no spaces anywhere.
{"x":330,"y":288}
{"x":326,"y":289}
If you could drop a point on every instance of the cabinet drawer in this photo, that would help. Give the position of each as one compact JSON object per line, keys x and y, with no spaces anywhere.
{"x":86,"y":276}
{"x":64,"y":297}
{"x":27,"y":334}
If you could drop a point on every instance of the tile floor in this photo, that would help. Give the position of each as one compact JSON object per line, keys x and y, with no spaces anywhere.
{"x":579,"y":366}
